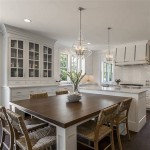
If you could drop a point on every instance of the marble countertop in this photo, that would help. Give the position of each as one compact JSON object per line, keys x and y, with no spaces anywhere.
{"x":113,"y":89}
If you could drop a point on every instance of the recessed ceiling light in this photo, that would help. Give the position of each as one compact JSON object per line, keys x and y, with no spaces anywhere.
{"x":88,"y":43}
{"x":27,"y":20}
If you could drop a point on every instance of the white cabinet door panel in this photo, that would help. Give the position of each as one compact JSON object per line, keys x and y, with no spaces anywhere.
{"x":129,"y":55}
{"x":140,"y":52}
{"x":120,"y":54}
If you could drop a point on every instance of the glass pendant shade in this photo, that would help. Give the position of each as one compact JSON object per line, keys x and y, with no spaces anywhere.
{"x":80,"y":48}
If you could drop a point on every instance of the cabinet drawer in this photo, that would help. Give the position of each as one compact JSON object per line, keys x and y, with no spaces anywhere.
{"x":16,"y":98}
{"x":18,"y":92}
{"x":32,"y":91}
{"x":16,"y":82}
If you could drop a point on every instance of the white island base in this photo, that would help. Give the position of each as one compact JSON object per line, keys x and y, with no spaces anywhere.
{"x":137,"y":112}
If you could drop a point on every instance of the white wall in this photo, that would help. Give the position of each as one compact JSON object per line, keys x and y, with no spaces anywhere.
{"x":133,"y":74}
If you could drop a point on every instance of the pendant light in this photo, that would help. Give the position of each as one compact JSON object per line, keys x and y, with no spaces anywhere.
{"x":109,"y":56}
{"x":80,"y":48}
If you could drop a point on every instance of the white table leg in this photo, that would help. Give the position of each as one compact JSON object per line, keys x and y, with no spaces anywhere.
{"x":67,"y":138}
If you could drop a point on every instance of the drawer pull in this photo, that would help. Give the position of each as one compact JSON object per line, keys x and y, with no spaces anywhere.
{"x":18,"y":92}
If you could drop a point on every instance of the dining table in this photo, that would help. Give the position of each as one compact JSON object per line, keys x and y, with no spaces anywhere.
{"x":65,"y":115}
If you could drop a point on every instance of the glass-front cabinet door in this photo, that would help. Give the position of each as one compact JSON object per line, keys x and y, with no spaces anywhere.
{"x":16,"y":58}
{"x":33,"y":60}
{"x":47,"y":62}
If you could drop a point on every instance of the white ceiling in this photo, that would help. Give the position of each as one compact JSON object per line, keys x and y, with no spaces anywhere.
{"x":59,"y":19}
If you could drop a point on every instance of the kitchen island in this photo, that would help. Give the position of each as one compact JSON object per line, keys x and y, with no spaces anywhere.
{"x":137,"y":112}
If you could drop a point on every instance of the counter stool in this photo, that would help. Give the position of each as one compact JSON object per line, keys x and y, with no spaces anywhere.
{"x":122,"y":117}
{"x":96,"y":131}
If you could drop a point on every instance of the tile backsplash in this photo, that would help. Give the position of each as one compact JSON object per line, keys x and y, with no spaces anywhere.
{"x":133,"y":74}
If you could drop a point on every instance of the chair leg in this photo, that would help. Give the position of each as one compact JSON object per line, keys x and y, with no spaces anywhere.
{"x":118,"y":137}
{"x":95,"y":145}
{"x":127,"y":127}
{"x":112,"y":140}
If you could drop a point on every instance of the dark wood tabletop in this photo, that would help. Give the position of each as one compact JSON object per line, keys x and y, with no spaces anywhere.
{"x":57,"y":109}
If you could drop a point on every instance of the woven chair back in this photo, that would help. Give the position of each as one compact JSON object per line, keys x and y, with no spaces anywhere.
{"x":106,"y":115}
{"x":61,"y":92}
{"x":39,"y":95}
{"x":19,"y":125}
{"x":124,"y":106}
{"x":5,"y":123}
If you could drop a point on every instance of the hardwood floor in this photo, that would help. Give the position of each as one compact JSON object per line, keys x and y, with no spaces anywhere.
{"x":139,"y":141}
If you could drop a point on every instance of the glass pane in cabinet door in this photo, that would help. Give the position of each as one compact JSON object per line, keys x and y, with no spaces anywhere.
{"x":13,"y":72}
{"x":20,"y":53}
{"x":13,"y":52}
{"x":45,"y":57}
{"x":20,"y":72}
{"x":20,"y":44}
{"x":45,"y":65}
{"x":49,"y":73}
{"x":30,"y":63}
{"x":49,"y":51}
{"x":31,"y":73}
{"x":45,"y":50}
{"x":49,"y":58}
{"x":20,"y":63}
{"x":37,"y":47}
{"x":44,"y":73}
{"x":36,"y":56}
{"x":49,"y":66}
{"x":36,"y":64}
{"x":36,"y":73}
{"x":13,"y":62}
{"x":14,"y":43}
{"x":31,"y":55}
{"x":31,"y":46}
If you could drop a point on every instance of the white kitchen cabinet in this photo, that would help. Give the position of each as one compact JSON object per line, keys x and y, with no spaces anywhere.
{"x":21,"y":93}
{"x":120,"y":54}
{"x":130,"y":53}
{"x":141,"y":52}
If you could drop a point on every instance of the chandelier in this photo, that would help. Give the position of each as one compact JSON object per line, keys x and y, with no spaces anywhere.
{"x":109,"y":56}
{"x":80,"y":48}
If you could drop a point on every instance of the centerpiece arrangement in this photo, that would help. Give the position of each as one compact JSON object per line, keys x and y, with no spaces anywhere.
{"x":75,"y":78}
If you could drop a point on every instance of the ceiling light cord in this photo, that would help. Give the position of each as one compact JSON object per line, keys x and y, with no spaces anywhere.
{"x":80,"y":28}
{"x":109,"y":40}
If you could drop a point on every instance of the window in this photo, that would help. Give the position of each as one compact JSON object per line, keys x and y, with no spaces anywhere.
{"x":107,"y":72}
{"x":63,"y":67}
{"x":69,"y":63}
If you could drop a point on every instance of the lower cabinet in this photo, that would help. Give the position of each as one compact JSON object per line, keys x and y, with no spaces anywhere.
{"x":148,"y":99}
{"x":21,"y":93}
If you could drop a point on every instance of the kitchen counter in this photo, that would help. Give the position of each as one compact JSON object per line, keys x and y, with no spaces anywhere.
{"x":113,"y":89}
{"x":137,"y":112}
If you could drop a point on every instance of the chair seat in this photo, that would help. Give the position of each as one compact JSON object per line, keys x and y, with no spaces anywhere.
{"x":87,"y":130}
{"x":34,"y":123}
{"x":119,"y":118}
{"x":40,"y":139}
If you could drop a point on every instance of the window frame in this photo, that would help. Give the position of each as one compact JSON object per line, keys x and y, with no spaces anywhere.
{"x":107,"y":72}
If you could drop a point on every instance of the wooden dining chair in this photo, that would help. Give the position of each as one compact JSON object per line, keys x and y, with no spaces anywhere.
{"x":96,"y":131}
{"x":61,"y":92}
{"x":40,"y":139}
{"x":39,"y":95}
{"x":122,"y":117}
{"x":6,"y":129}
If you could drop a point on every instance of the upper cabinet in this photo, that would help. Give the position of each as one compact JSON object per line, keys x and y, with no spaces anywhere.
{"x":136,"y":53}
{"x":120,"y":54}
{"x":28,"y":58}
{"x":129,"y":53}
{"x":141,"y":52}
{"x":16,"y":58}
